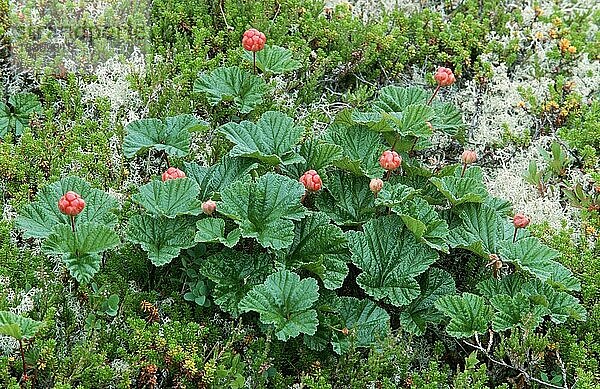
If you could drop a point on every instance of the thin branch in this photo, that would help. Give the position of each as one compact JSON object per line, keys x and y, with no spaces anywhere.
{"x":527,"y":376}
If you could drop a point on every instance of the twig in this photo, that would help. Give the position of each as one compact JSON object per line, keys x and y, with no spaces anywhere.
{"x":527,"y":376}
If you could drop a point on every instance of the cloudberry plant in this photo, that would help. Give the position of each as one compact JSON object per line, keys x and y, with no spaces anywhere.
{"x":443,"y":77}
{"x":467,"y":157}
{"x":71,"y":204}
{"x":172,"y":173}
{"x":254,"y":40}
{"x":311,"y":181}
{"x":519,"y":221}
{"x":208,"y":207}
{"x":390,"y":160}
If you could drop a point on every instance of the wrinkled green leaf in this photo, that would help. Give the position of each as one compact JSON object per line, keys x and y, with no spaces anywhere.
{"x":270,"y":140}
{"x":363,"y":321}
{"x":347,"y":199}
{"x":24,"y":105}
{"x":213,"y":179}
{"x":170,"y":198}
{"x":285,"y":301}
{"x":265,"y":209}
{"x":274,"y":59}
{"x":17,"y":326}
{"x":162,"y":238}
{"x":234,"y":274}
{"x":469,"y":314}
{"x":171,"y":136}
{"x":321,"y":248}
{"x":390,"y":258}
{"x":212,"y":230}
{"x":434,"y":284}
{"x":231,"y":84}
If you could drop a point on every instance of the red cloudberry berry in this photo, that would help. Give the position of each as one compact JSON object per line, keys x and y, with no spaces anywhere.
{"x":390,"y":160}
{"x":444,"y":77}
{"x":208,"y":207}
{"x":375,"y":185}
{"x":254,"y":40}
{"x":520,"y":220}
{"x":172,"y":173}
{"x":311,"y":181}
{"x":71,"y":204}
{"x":468,"y":157}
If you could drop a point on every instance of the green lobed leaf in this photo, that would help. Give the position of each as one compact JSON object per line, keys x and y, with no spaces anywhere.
{"x":515,"y":311}
{"x":347,"y":199}
{"x":390,"y":258}
{"x":274,"y":59}
{"x":447,"y":118}
{"x":361,"y":149}
{"x":234,"y":274}
{"x":536,"y":258}
{"x":363,"y":321}
{"x":285,"y":301}
{"x":212,"y":230}
{"x":396,"y":99}
{"x":161,"y":237}
{"x":321,"y":248}
{"x":265,"y":209}
{"x":39,"y":218}
{"x":459,"y":190}
{"x":559,"y":305}
{"x":170,"y":198}
{"x":17,"y":326}
{"x":213,"y":179}
{"x":317,"y":154}
{"x":231,"y":84}
{"x":89,"y":238}
{"x":270,"y":140}
{"x":424,"y":222}
{"x":395,"y":195}
{"x":469,"y":314}
{"x":434,"y":284}
{"x":171,"y":136}
{"x":481,"y":230}
{"x":24,"y":105}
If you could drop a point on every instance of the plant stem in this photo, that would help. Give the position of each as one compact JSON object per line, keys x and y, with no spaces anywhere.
{"x":254,"y":60}
{"x":515,"y":235}
{"x":433,"y":95}
{"x":25,"y":377}
{"x":73,"y":223}
{"x":464,"y":168}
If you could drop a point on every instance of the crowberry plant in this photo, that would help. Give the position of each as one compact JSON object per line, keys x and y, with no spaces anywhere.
{"x":311,"y":181}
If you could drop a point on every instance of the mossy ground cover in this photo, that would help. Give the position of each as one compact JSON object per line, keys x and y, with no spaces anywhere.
{"x":527,"y":81}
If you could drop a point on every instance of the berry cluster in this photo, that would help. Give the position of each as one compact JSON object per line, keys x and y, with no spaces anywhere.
{"x":254,"y":40}
{"x":71,"y":204}
{"x":172,"y":173}
{"x":311,"y":181}
{"x":390,"y":160}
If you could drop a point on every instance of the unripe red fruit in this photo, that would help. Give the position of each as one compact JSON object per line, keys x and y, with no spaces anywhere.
{"x":375,"y":185}
{"x":390,"y":160}
{"x":71,"y":204}
{"x":208,"y":207}
{"x":444,"y":77}
{"x":254,"y":40}
{"x":172,"y":173}
{"x":311,"y":181}
{"x":468,"y":157}
{"x":520,"y":220}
